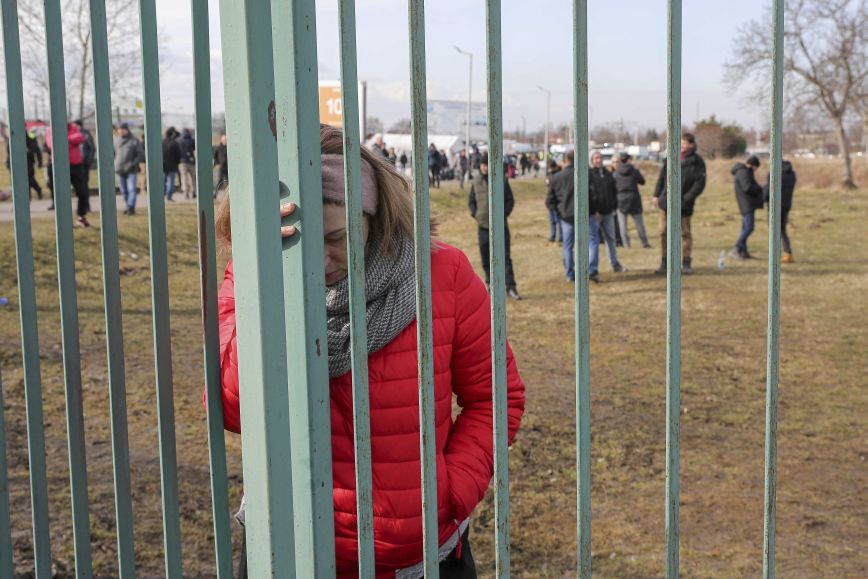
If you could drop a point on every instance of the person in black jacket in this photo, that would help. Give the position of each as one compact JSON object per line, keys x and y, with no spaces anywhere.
{"x":221,"y":164}
{"x":788,"y":186}
{"x":556,"y":235}
{"x":187,"y":167}
{"x":748,"y":193}
{"x":34,"y":156}
{"x":561,"y":198}
{"x":603,"y":186}
{"x":627,"y":181}
{"x":693,"y":177}
{"x":478,"y":204}
{"x":171,"y":161}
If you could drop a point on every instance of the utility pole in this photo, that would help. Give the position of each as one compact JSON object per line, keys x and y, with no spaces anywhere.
{"x":548,"y":113}
{"x":469,"y":96}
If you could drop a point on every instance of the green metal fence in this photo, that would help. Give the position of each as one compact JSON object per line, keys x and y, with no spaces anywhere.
{"x":272,"y":119}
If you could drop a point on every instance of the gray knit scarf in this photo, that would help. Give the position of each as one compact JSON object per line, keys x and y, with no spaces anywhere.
{"x":390,"y":289}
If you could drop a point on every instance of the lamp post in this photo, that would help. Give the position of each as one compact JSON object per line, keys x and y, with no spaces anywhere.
{"x":469,"y":97}
{"x":548,"y":111}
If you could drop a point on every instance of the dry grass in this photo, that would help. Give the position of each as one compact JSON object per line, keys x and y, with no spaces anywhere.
{"x":821,"y":500}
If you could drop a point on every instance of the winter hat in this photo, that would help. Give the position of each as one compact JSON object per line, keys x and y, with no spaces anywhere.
{"x":753,"y":161}
{"x":333,"y":182}
{"x":625,"y":157}
{"x":125,"y":125}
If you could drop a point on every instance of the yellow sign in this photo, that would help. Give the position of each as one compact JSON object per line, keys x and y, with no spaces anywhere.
{"x":331,"y":108}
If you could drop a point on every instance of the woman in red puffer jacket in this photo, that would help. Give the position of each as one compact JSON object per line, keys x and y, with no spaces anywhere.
{"x":462,"y":367}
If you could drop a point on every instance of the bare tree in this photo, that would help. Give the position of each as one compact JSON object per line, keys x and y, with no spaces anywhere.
{"x":825,"y":62}
{"x":123,"y":46}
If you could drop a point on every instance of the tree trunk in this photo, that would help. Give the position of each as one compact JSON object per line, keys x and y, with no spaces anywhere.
{"x":82,"y":84}
{"x":844,"y":147}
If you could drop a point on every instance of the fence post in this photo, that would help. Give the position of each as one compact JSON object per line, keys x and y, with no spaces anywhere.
{"x":26,"y":291}
{"x":208,"y":282}
{"x":112,"y":291}
{"x":306,"y":353}
{"x":259,"y":303}
{"x":424,"y":332}
{"x":774,"y":314}
{"x":583,"y":315}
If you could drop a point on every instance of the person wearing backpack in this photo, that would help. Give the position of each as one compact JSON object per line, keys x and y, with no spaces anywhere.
{"x":749,"y":196}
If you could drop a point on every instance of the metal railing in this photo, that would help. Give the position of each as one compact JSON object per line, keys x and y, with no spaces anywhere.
{"x":273,"y":128}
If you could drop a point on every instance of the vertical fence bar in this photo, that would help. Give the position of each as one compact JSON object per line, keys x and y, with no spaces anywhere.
{"x":160,"y":287}
{"x":774,"y":322}
{"x":583,"y":309}
{"x":67,"y":290}
{"x":306,"y":354}
{"x":6,"y":569}
{"x":422,"y":232}
{"x":27,"y":290}
{"x":673,"y":293}
{"x":245,"y":27}
{"x":208,"y":283}
{"x":497,"y":231}
{"x":112,"y":292}
{"x":356,"y":258}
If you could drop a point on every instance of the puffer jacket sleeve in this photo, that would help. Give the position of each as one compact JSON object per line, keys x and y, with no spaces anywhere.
{"x":228,"y":353}
{"x":469,"y":453}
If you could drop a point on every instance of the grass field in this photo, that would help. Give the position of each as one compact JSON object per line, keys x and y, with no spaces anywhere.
{"x":822,"y":500}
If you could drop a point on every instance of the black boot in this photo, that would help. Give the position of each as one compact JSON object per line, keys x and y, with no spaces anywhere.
{"x":662,"y":269}
{"x":685,"y":266}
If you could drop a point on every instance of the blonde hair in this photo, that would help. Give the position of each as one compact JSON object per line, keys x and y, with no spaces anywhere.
{"x":394,"y":197}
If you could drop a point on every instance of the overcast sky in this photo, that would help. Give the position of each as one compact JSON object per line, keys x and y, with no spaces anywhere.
{"x":627,"y":57}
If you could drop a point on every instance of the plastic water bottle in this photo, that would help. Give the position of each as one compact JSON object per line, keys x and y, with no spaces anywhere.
{"x":721,"y":262}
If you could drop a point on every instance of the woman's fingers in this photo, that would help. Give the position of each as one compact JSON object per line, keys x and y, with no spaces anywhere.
{"x":287,"y":231}
{"x":287,"y":209}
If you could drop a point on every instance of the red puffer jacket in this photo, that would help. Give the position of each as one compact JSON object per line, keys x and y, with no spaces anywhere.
{"x":462,"y":366}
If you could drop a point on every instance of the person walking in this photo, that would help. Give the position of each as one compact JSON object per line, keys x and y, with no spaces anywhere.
{"x":78,"y":172}
{"x":34,"y":158}
{"x":749,"y":196}
{"x":627,"y":181}
{"x":603,"y":184}
{"x":561,"y":198}
{"x":788,"y":186}
{"x":478,"y":204}
{"x":187,"y":166}
{"x":379,"y":146}
{"x":556,"y":235}
{"x":393,"y":156}
{"x":475,"y":156}
{"x":693,"y":178}
{"x":434,"y":165}
{"x":403,"y":159}
{"x":171,"y":162}
{"x":462,"y":165}
{"x":462,"y":372}
{"x":221,"y":163}
{"x":129,"y":154}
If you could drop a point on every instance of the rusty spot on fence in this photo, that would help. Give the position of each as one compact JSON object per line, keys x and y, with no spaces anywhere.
{"x":317,"y":347}
{"x":272,"y":119}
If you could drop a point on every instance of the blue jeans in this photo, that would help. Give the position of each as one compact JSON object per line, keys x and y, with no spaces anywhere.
{"x":169,"y":184}
{"x":555,"y":231}
{"x":747,"y":225}
{"x":128,"y":189}
{"x":569,"y":239}
{"x":593,"y":246}
{"x":607,"y":229}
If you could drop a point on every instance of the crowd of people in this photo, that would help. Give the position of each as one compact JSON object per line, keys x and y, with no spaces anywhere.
{"x":179,"y":164}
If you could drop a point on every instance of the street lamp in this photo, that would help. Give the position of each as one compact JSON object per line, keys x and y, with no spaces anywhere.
{"x":548,"y":111}
{"x":469,"y":97}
